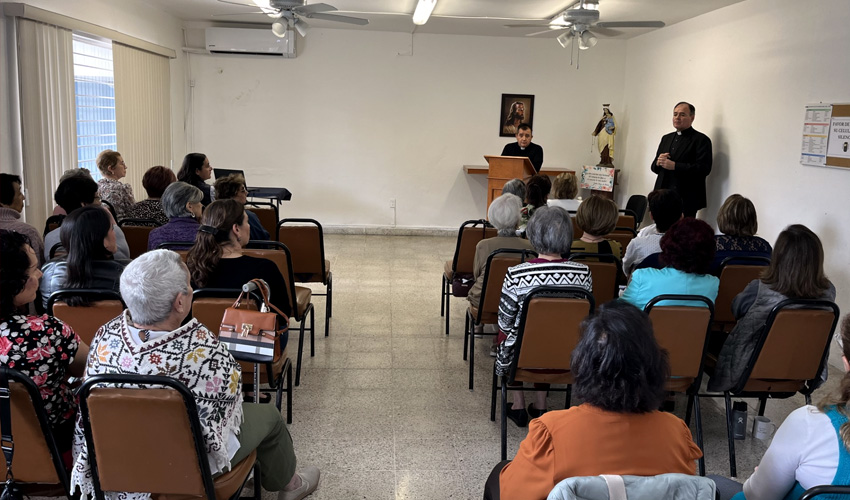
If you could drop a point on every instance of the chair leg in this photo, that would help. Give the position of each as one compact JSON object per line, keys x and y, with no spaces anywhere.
{"x":698,"y":419}
{"x":258,"y":490}
{"x":312,"y":331}
{"x":762,"y":405}
{"x":493,"y":396}
{"x":471,"y":357}
{"x":808,"y":399}
{"x":504,"y":430}
{"x":688,"y":410}
{"x":448,"y":311}
{"x":327,"y":308}
{"x":288,"y":393}
{"x":300,"y":353}
{"x":466,"y":328}
{"x":329,"y":288}
{"x":442,"y":295}
{"x":569,"y":397}
{"x":733,"y":467}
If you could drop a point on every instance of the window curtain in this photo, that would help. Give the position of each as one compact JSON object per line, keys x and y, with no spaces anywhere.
{"x":142,"y":112}
{"x":48,"y":119}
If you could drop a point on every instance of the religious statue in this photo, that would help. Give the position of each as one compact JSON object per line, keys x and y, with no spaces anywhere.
{"x":605,"y":131}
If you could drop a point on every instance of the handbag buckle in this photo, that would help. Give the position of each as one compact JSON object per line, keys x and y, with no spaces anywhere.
{"x":246,"y":329}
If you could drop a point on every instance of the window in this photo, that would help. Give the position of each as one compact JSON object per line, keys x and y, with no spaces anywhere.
{"x":94,"y":89}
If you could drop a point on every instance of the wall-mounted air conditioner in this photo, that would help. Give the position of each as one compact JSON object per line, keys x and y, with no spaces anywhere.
{"x":253,"y":42}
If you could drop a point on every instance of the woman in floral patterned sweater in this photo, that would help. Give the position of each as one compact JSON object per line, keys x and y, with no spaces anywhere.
{"x":41,"y":347}
{"x":111,"y":189}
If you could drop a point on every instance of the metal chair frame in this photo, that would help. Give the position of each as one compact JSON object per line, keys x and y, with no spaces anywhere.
{"x":816,"y":491}
{"x":446,"y":284}
{"x":601,"y":257}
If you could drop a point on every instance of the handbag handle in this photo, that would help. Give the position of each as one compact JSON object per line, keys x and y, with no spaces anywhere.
{"x":263,"y":288}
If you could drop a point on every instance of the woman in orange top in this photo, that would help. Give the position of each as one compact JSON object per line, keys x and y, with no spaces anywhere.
{"x":620,"y":373}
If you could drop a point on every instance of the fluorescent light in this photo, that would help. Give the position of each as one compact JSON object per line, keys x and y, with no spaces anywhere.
{"x":423,"y":11}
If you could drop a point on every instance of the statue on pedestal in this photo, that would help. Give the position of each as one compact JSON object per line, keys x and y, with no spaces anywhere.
{"x":605,"y":132}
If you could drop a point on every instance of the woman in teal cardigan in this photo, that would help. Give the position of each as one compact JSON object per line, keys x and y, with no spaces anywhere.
{"x":687,"y":250}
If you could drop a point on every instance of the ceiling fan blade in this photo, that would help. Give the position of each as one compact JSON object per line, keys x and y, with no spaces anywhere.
{"x":631,"y":24}
{"x":339,"y":19}
{"x":304,"y":10}
{"x":239,"y":14}
{"x":241,"y":4}
{"x":606,"y":31}
{"x":544,"y":32}
{"x":541,"y":25}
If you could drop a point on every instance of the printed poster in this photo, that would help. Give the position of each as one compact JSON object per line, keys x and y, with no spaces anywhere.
{"x":598,"y":178}
{"x":816,"y":134}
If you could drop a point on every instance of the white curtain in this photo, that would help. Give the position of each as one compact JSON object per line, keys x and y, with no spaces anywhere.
{"x":142,"y":112}
{"x":48,"y":120}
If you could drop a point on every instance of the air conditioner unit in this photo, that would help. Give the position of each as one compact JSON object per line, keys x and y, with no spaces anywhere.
{"x":253,"y":42}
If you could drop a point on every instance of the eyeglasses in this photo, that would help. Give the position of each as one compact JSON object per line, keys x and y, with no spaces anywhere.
{"x":243,"y":189}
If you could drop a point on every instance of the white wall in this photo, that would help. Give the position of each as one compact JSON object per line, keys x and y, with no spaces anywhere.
{"x":750,"y":69}
{"x":356,"y":119}
{"x":132,"y":17}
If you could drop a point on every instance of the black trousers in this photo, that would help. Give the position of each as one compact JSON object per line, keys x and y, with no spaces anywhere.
{"x":491,"y":487}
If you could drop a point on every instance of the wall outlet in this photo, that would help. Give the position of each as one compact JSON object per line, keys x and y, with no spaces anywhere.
{"x":392,"y":202}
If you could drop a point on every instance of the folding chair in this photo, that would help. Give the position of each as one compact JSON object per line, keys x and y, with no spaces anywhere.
{"x":52,"y":223}
{"x":267,"y":212}
{"x":487,"y":311}
{"x":791,"y":351}
{"x":682,"y":330}
{"x":137,"y":231}
{"x":168,"y":458}
{"x":468,"y":236}
{"x":300,"y":297}
{"x":817,"y":491}
{"x":86,"y":320}
{"x":549,"y":330}
{"x":627,"y":218}
{"x":623,"y":236}
{"x":605,"y":270}
{"x":306,"y":242}
{"x":37,"y":462}
{"x":208,"y":305}
{"x":637,"y":204}
{"x":735,"y":274}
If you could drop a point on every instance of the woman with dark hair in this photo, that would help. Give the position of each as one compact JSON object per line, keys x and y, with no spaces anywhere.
{"x":216,"y":259}
{"x":41,"y":347}
{"x":233,"y":187}
{"x":88,"y":236}
{"x":196,"y":170}
{"x":795,"y":272}
{"x":538,"y":192}
{"x":738,"y":222}
{"x":620,"y":372}
{"x":155,"y":180}
{"x":686,"y":250}
{"x":113,"y":169}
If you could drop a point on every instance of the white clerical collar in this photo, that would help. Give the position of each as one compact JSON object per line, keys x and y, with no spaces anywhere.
{"x":522,"y":148}
{"x":678,"y":132}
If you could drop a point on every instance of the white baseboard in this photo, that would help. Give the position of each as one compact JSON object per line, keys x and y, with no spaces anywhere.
{"x":391,"y":230}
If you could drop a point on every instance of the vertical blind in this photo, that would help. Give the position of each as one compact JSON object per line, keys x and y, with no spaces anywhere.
{"x":142,"y":111}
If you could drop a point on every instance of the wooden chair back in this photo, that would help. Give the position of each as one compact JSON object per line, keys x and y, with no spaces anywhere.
{"x":733,"y":280}
{"x":306,"y":243}
{"x":468,"y":236}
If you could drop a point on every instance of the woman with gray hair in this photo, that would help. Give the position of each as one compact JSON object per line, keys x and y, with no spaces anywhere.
{"x":148,"y":339}
{"x":515,"y":187}
{"x":181,"y":203}
{"x":504,"y":216}
{"x":550,"y":232}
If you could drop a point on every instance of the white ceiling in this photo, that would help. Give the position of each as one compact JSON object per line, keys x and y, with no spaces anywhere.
{"x":459,"y":17}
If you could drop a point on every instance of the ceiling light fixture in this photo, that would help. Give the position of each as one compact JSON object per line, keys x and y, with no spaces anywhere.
{"x":564,"y":39}
{"x":587,"y":40}
{"x":301,"y":28}
{"x":279,"y":29}
{"x":423,"y":11}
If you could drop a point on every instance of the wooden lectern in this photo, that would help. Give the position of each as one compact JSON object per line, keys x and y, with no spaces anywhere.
{"x":504,"y":168}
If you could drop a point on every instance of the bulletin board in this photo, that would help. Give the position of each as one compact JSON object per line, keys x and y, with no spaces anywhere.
{"x":826,"y":136}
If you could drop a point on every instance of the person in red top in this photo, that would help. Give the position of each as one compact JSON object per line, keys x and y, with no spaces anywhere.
{"x":619,"y":373}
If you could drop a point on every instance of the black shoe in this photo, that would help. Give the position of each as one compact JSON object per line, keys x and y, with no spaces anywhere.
{"x":534,"y":412}
{"x":519,"y":417}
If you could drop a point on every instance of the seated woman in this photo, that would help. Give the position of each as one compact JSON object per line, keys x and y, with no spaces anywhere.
{"x":90,"y":240}
{"x":738,"y":222}
{"x":515,"y":187}
{"x":232,"y":187}
{"x":147,"y":339}
{"x":564,"y":191}
{"x":216,"y":259}
{"x":196,"y":170}
{"x":118,"y":194}
{"x":538,"y":192}
{"x":67,"y":174}
{"x":596,"y":217}
{"x":795,"y":272}
{"x":550,"y":232}
{"x":686,"y":250}
{"x":618,"y":429}
{"x":23,"y":337}
{"x":181,"y":202}
{"x":155,"y":180}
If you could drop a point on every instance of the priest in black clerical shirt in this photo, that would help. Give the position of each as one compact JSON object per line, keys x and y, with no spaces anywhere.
{"x":524,"y":147}
{"x":683,"y":160}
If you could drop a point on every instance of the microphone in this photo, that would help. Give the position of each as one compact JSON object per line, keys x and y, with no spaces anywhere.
{"x":251,"y":286}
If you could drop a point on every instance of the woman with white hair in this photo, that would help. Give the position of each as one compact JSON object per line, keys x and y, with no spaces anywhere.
{"x":550,"y":231}
{"x":148,"y":339}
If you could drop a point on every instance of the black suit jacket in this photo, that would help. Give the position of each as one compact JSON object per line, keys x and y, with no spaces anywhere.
{"x":692,"y":153}
{"x":533,"y":152}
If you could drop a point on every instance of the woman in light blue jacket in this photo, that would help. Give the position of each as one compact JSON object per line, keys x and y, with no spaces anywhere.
{"x":687,"y":250}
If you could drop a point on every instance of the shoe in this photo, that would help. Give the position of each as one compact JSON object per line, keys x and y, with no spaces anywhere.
{"x":534,"y":412}
{"x":309,"y":481}
{"x":494,"y":350}
{"x":519,"y":417}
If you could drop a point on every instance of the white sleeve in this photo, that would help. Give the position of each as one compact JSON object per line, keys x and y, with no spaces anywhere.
{"x":801,"y":443}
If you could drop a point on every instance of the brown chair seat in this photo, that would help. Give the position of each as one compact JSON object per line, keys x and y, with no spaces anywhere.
{"x":226,"y":485}
{"x":315,"y":277}
{"x":303,"y":300}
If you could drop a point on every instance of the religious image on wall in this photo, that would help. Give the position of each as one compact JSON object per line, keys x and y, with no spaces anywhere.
{"x":605,"y":132}
{"x":516,"y":109}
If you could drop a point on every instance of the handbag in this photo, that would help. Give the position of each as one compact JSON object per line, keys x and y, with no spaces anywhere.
{"x":462,"y":283}
{"x":252,"y":335}
{"x":11,"y":491}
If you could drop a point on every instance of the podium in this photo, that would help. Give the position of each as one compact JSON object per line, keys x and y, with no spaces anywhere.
{"x":502,"y":169}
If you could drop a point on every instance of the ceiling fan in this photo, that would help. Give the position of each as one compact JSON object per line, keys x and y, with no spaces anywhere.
{"x":576,"y":22}
{"x":291,"y":14}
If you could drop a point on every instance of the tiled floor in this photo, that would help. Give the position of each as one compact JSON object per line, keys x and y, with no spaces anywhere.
{"x":383,"y":408}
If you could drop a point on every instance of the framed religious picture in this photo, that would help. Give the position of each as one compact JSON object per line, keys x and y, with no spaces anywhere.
{"x":516,"y":109}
